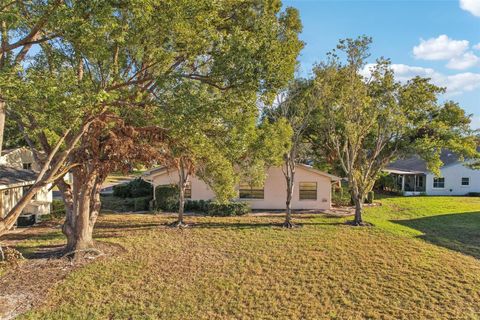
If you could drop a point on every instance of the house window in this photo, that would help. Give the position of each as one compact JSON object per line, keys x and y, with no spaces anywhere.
{"x":465,"y":181}
{"x":247,"y":191}
{"x":308,"y":191}
{"x":188,"y":190}
{"x":439,"y":183}
{"x":27,"y":165}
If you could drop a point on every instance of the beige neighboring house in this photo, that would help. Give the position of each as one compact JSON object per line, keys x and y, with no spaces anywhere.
{"x":18,"y":172}
{"x":312,"y":190}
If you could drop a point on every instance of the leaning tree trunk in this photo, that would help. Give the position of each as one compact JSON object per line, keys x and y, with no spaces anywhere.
{"x":81,"y":218}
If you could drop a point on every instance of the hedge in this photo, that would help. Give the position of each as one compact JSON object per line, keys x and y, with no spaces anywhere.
{"x":227,"y":209}
{"x":57,"y":209}
{"x":134,"y":189}
{"x":167,"y":199}
{"x":118,"y":204}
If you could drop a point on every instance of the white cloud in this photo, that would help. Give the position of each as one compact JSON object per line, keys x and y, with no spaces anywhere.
{"x":456,"y":84}
{"x":465,"y":61}
{"x":472,"y":6}
{"x":460,"y":82}
{"x":440,"y":48}
{"x":443,"y":48}
{"x":477,"y":46}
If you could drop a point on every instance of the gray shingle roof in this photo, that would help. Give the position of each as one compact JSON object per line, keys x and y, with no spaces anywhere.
{"x":415,"y":163}
{"x":11,"y":176}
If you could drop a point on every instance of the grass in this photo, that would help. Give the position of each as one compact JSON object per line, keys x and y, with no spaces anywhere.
{"x":117,"y":177}
{"x":419,"y":261}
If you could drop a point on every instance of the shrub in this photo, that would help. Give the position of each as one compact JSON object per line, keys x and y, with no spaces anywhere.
{"x":140,"y":188}
{"x":473,"y":194}
{"x":57,"y":209}
{"x":118,"y":204}
{"x":227,"y":209}
{"x":167,"y":198}
{"x":134,"y":189}
{"x":196,"y":205}
{"x":385,"y":182}
{"x":341,"y":198}
{"x":370,"y":197}
{"x":121,"y":191}
{"x":141,"y":203}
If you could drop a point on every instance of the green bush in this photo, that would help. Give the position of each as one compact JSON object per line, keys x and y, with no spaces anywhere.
{"x":134,"y":189}
{"x":473,"y":194}
{"x":167,"y":198}
{"x":370,"y":197}
{"x":341,"y":198}
{"x":141,"y":203}
{"x":57,"y":209}
{"x":121,"y":191}
{"x":227,"y":209}
{"x":118,"y":204}
{"x":385,"y":182}
{"x":140,"y":188}
{"x":196,"y":205}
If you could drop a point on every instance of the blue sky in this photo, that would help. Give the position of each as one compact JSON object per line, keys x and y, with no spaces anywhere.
{"x":437,"y":39}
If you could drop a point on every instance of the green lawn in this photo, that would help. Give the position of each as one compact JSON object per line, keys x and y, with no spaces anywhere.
{"x":421,"y":260}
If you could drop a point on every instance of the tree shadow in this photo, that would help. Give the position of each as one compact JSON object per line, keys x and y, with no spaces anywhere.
{"x":42,"y":252}
{"x":253,"y":225}
{"x":457,"y":231}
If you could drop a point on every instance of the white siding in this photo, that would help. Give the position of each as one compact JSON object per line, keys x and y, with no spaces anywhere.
{"x":453,"y":181}
{"x":40,"y":205}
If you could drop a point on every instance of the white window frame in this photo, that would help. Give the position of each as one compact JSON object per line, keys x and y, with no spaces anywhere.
{"x":465,"y":185}
{"x":435,"y":178}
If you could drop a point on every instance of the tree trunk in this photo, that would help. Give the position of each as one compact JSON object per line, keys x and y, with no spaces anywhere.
{"x":82,"y":215}
{"x":182,"y":186}
{"x":289,"y":173}
{"x":2,"y":122}
{"x":358,"y":212}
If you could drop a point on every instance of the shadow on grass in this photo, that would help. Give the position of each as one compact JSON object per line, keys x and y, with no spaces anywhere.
{"x":32,"y":236}
{"x":458,"y":231}
{"x":242,"y":225}
{"x":42,"y":252}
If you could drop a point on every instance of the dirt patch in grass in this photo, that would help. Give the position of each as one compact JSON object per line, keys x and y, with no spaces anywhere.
{"x":25,"y":282}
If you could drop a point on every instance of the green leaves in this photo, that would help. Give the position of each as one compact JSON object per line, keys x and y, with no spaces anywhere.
{"x":369,"y":122}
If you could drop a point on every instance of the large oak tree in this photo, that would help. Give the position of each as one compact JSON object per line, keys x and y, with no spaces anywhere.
{"x":121,"y":60}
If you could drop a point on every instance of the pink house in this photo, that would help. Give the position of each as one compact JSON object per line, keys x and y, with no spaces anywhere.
{"x":312,"y":190}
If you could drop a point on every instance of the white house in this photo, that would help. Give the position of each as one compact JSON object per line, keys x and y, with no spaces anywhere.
{"x":456,"y":177}
{"x":17,"y":174}
{"x":312,"y":190}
